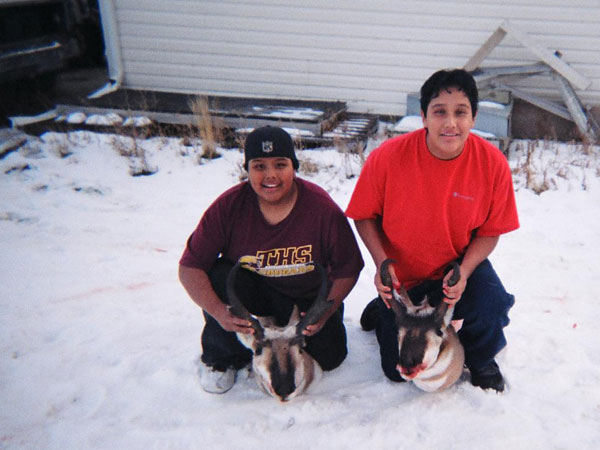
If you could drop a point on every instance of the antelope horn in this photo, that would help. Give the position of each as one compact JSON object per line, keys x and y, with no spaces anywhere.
{"x":236,"y":306}
{"x":440,"y":312}
{"x":442,"y":308}
{"x":386,"y":279}
{"x":455,"y":273}
{"x":384,"y":273}
{"x":319,"y":307}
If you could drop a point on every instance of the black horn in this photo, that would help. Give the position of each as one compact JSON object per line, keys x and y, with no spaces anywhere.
{"x":386,"y":280}
{"x":236,"y":306}
{"x":455,"y":268}
{"x":442,"y":308}
{"x":384,"y":273}
{"x":319,"y":307}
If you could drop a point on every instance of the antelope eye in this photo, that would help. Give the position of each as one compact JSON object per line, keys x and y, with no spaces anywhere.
{"x":258,"y":350}
{"x":438,"y":331}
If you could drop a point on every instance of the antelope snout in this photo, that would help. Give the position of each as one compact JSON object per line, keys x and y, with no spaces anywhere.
{"x":410,"y":373}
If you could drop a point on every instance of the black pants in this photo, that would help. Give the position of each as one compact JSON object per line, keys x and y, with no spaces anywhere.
{"x":484,"y":307}
{"x":222,"y":349}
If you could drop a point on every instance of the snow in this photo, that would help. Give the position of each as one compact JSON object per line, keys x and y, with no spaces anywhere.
{"x":137,"y":121}
{"x":289,"y":113}
{"x":99,"y":341}
{"x":408,"y":124}
{"x":76,"y":118}
{"x":490,"y":105}
{"x":483,"y":134}
{"x":293,"y":132}
{"x":104,"y":119}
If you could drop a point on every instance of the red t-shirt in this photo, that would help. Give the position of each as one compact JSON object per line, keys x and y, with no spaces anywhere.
{"x":429,"y":208}
{"x":316,"y":230}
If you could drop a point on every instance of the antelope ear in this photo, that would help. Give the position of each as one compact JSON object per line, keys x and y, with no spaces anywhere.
{"x":403,"y":297}
{"x":299,"y":340}
{"x":398,"y":303}
{"x":266,"y":321}
{"x":294,"y":317}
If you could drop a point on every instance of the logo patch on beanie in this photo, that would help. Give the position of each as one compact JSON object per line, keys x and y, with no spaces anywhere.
{"x":267,"y":146}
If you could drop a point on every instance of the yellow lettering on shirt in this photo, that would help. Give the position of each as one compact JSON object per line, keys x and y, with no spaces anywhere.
{"x":280,"y":262}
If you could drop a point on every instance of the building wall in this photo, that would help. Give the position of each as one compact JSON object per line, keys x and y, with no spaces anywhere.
{"x":368,"y":53}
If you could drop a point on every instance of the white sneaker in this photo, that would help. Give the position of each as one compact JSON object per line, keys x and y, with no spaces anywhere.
{"x":215,"y":381}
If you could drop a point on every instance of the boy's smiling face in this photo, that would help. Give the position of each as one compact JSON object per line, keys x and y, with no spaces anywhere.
{"x":448,"y":121}
{"x":272,"y":179}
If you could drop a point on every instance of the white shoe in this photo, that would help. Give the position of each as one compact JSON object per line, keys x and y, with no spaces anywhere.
{"x":215,"y":381}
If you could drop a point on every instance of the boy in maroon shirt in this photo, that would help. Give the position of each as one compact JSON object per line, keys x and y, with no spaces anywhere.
{"x":284,"y":222}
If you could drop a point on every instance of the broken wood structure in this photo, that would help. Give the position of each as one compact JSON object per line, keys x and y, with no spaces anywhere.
{"x":310,"y":123}
{"x":492,"y":80}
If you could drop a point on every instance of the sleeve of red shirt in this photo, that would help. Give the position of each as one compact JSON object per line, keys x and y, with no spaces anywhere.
{"x":367,"y":199}
{"x":345,"y":259}
{"x":502,"y":217}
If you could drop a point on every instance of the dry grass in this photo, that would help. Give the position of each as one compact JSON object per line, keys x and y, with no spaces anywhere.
{"x":353,"y":155}
{"x":130,"y":147}
{"x":210,"y":132}
{"x":541,"y":165}
{"x":307,"y":166}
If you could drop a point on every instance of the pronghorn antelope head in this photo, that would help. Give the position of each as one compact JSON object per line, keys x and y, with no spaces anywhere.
{"x":281,"y":366}
{"x":430,"y":353}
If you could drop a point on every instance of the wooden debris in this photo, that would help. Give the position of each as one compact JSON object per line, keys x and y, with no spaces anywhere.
{"x":575,"y":108}
{"x":527,"y":41}
{"x":550,"y":64}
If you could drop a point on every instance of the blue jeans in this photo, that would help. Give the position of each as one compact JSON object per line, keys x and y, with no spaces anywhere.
{"x":222,"y":349}
{"x":484,"y":307}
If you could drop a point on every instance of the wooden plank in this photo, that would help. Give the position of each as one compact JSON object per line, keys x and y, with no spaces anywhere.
{"x":168,"y":107}
{"x":485,"y":50}
{"x":191,"y":119}
{"x":494,"y":95}
{"x":546,"y":55}
{"x":575,"y":107}
{"x":549,"y":106}
{"x":488,"y":73}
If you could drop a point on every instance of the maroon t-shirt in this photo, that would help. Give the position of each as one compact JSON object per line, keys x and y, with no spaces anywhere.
{"x":316,"y":230}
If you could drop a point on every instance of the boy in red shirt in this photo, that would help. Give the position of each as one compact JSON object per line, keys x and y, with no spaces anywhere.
{"x":430,"y":197}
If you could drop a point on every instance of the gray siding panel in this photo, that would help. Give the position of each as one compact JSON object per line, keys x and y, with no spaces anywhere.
{"x":369,"y":53}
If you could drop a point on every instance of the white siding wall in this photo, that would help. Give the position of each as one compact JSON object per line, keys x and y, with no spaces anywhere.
{"x":369,"y":53}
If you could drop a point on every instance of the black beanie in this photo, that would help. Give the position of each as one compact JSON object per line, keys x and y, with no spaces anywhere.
{"x":269,"y":142}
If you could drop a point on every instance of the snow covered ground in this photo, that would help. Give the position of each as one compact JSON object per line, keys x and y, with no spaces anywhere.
{"x":99,"y":342}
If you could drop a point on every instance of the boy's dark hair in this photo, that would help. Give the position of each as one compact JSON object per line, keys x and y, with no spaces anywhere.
{"x":445,"y":79}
